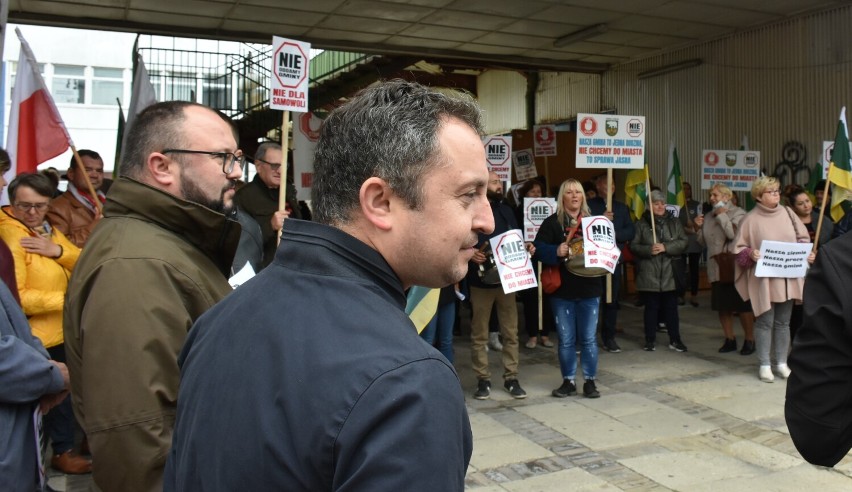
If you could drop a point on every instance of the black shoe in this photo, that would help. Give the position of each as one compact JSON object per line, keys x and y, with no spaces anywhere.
{"x":649,"y":347}
{"x":661,"y":328}
{"x":748,"y":347}
{"x":611,"y":347}
{"x":514,"y":388}
{"x":590,"y":390}
{"x":677,"y":346}
{"x":483,"y":390}
{"x":681,"y":301}
{"x":729,"y":346}
{"x":567,"y":389}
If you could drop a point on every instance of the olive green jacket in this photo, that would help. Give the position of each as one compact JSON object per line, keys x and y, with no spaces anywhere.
{"x":656,"y":273}
{"x":151,"y":267}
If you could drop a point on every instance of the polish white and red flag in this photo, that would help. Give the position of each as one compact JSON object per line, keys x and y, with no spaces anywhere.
{"x":36,"y":131}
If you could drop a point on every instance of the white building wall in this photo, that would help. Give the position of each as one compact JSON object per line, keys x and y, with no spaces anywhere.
{"x":502,"y":96}
{"x":784,"y":82}
{"x":561,"y":95}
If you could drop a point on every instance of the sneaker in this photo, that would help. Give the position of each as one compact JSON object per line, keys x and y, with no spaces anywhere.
{"x":730,"y":345}
{"x":514,"y":389}
{"x":611,"y":347}
{"x":748,"y":347}
{"x":681,"y":301}
{"x":783,"y":371}
{"x":531,"y":343}
{"x":494,"y":341}
{"x":590,"y":390}
{"x":546,"y":342}
{"x":661,"y":328}
{"x":567,"y":389}
{"x":483,"y":390}
{"x":649,"y":347}
{"x":765,"y":374}
{"x":677,"y":345}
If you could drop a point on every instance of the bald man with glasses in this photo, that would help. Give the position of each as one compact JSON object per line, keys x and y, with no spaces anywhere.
{"x":158,"y":259}
{"x":259,"y":198}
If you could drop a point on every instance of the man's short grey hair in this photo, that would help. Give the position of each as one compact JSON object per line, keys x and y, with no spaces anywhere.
{"x":265,"y":147}
{"x":658,"y":196}
{"x":389,"y":131}
{"x":156,"y":128}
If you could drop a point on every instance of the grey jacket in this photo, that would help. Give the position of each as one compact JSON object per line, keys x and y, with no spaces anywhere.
{"x":656,"y":274}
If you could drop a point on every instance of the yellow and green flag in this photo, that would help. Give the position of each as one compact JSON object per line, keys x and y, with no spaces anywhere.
{"x":421,"y":305}
{"x":674,"y":183}
{"x":636,"y":192}
{"x":840,"y":172}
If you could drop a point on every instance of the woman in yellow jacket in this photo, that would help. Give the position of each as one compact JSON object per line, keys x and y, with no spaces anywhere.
{"x":44,"y":258}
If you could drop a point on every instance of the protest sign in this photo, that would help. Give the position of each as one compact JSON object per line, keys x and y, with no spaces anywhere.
{"x":288,"y":81}
{"x":524,"y":163}
{"x":736,"y":169}
{"x":535,"y":211}
{"x":784,"y":260}
{"x":545,"y":140}
{"x":513,"y":261}
{"x":599,"y":243}
{"x":610,"y":141}
{"x":498,"y":154}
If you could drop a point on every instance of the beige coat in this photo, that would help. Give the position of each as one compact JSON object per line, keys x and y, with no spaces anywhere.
{"x":717,"y":230}
{"x":776,"y":224}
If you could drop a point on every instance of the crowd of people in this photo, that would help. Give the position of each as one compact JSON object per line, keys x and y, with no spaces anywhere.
{"x":121,"y":299}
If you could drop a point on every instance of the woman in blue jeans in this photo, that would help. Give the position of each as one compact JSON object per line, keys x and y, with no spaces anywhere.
{"x":575,"y":303}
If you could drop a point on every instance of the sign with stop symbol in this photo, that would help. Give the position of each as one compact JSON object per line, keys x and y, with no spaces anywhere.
{"x":289,"y":79}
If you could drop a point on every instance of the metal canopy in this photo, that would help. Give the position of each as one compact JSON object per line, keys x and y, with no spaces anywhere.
{"x":494,"y":33}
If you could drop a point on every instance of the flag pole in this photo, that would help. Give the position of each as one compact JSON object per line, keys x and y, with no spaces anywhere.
{"x":609,"y":187}
{"x":282,"y":188}
{"x":650,"y":204}
{"x":89,"y":186}
{"x":822,"y":207}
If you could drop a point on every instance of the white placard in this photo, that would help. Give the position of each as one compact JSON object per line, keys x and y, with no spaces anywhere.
{"x":498,"y":153}
{"x":535,"y":211}
{"x":599,"y":243}
{"x":289,"y":78}
{"x":610,"y":141}
{"x":545,"y":140}
{"x":524,"y":163}
{"x":244,"y":275}
{"x":784,"y":260}
{"x":305,"y":136}
{"x":735,"y":168}
{"x":513,"y":261}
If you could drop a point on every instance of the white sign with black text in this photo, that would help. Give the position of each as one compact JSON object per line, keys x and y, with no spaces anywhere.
{"x":783,"y":260}
{"x":513,"y":261}
{"x":535,"y":211}
{"x":599,"y":243}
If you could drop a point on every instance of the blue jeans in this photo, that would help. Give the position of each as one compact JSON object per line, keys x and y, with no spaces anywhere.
{"x":442,"y":327}
{"x":576,"y":325}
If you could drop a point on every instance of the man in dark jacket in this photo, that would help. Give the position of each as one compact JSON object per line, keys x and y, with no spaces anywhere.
{"x":624,"y":232}
{"x":157,"y":260}
{"x":310,"y":376}
{"x":819,"y":408}
{"x":259,"y":198}
{"x":484,"y":296}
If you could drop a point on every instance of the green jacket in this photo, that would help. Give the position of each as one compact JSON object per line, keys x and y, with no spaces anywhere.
{"x":151,"y":267}
{"x":655,"y":272}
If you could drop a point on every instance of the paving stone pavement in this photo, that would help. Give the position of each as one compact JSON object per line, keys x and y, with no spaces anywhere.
{"x":693,"y":421}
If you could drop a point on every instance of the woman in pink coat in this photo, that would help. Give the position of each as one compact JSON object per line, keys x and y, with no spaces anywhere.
{"x":771,"y":298}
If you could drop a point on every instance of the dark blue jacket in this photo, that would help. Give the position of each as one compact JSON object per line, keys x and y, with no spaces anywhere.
{"x":311,"y":377}
{"x":624,"y":227}
{"x":504,"y":220}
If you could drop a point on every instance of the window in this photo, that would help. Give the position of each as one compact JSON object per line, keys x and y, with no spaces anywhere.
{"x":69,"y":84}
{"x":216,"y":92}
{"x":107,"y":85}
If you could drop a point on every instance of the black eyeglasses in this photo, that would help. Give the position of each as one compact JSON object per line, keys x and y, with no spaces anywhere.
{"x":229,"y":159}
{"x":272,"y":166}
{"x":25,"y":207}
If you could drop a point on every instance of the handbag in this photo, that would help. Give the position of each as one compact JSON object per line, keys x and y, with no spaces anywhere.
{"x":679,"y":273}
{"x":551,"y":279}
{"x":725,"y":262}
{"x":576,"y":261}
{"x":488,"y":273}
